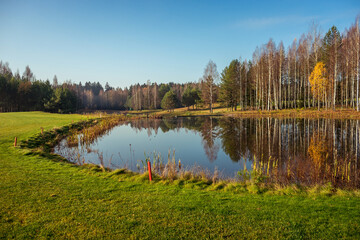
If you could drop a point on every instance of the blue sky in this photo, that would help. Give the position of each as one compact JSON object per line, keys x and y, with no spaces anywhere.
{"x":127,"y":42}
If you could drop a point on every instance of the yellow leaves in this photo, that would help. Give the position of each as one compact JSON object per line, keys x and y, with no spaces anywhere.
{"x":318,"y":150}
{"x":318,"y":80}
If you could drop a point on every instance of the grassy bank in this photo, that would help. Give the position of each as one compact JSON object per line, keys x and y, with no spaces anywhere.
{"x":41,"y":198}
{"x":339,"y":113}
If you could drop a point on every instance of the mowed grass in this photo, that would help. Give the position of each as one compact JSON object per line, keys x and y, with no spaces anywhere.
{"x":41,"y":198}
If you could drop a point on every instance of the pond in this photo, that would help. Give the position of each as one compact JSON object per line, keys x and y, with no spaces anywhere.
{"x":289,"y":150}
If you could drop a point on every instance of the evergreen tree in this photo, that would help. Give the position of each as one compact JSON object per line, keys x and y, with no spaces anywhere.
{"x":196,"y":95}
{"x":229,"y":93}
{"x":170,"y":101}
{"x":63,"y":101}
{"x":188,"y":98}
{"x":164,"y":88}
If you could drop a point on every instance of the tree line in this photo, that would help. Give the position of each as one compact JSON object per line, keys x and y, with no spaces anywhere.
{"x":26,"y":93}
{"x":314,"y":71}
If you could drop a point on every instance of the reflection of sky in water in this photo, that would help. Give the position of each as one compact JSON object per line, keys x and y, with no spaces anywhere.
{"x":285,"y":141}
{"x":187,"y":144}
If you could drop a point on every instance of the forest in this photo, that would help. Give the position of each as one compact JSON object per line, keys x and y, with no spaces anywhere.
{"x":315,"y":71}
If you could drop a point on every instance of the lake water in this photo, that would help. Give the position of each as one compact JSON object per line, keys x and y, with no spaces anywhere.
{"x":300,"y":150}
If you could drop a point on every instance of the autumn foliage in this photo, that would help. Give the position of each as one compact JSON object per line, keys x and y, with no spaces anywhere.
{"x":318,"y":150}
{"x":318,"y":80}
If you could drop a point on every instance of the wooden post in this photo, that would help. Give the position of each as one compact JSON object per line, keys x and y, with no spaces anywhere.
{"x":42,"y":131}
{"x":15,"y":142}
{"x":149,"y":168}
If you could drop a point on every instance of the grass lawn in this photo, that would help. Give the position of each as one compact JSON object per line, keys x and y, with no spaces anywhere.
{"x":41,"y":198}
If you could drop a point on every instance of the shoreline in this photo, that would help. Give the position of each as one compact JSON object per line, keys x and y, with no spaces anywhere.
{"x":339,"y":113}
{"x":44,"y":145}
{"x":43,"y":196}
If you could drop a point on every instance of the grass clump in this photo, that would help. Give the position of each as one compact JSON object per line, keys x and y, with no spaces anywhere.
{"x":118,"y":172}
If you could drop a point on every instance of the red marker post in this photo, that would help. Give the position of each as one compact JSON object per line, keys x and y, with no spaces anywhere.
{"x":149,"y":168}
{"x":15,"y":141}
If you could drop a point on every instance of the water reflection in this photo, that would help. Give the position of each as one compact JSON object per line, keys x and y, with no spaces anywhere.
{"x":305,"y":149}
{"x":262,"y":137}
{"x":291,"y":150}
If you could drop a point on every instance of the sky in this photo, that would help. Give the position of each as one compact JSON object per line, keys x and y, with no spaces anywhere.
{"x":129,"y":42}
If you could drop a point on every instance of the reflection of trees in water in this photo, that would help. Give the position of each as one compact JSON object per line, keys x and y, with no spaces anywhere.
{"x":206,"y":126}
{"x":250,"y":138}
{"x":305,"y":147}
{"x":145,"y":124}
{"x":309,"y":150}
{"x":282,"y":139}
{"x":168,"y":124}
{"x":209,"y":133}
{"x":318,"y":153}
{"x":230,"y":138}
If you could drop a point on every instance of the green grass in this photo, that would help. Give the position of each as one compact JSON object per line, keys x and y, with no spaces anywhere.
{"x":42,"y":198}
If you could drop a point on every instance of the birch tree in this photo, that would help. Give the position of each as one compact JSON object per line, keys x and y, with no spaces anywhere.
{"x":208,"y":84}
{"x":318,"y":81}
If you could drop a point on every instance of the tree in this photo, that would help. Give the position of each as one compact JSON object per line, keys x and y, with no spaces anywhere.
{"x":108,"y":87}
{"x":41,"y":92}
{"x":5,"y":69}
{"x":280,"y":60}
{"x":270,"y":52}
{"x":229,"y":93}
{"x":191,"y":96}
{"x":148,"y":93}
{"x":356,"y":41}
{"x":55,"y":81}
{"x":24,"y":94}
{"x":318,"y":81}
{"x":28,"y":74}
{"x":331,"y":44}
{"x":187,"y":98}
{"x":208,"y":87}
{"x":196,"y":95}
{"x":169,"y":101}
{"x":63,"y":101}
{"x":128,"y":104}
{"x":164,"y":88}
{"x":155,"y":93}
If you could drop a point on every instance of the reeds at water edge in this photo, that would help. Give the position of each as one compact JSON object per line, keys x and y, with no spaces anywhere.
{"x":316,"y":167}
